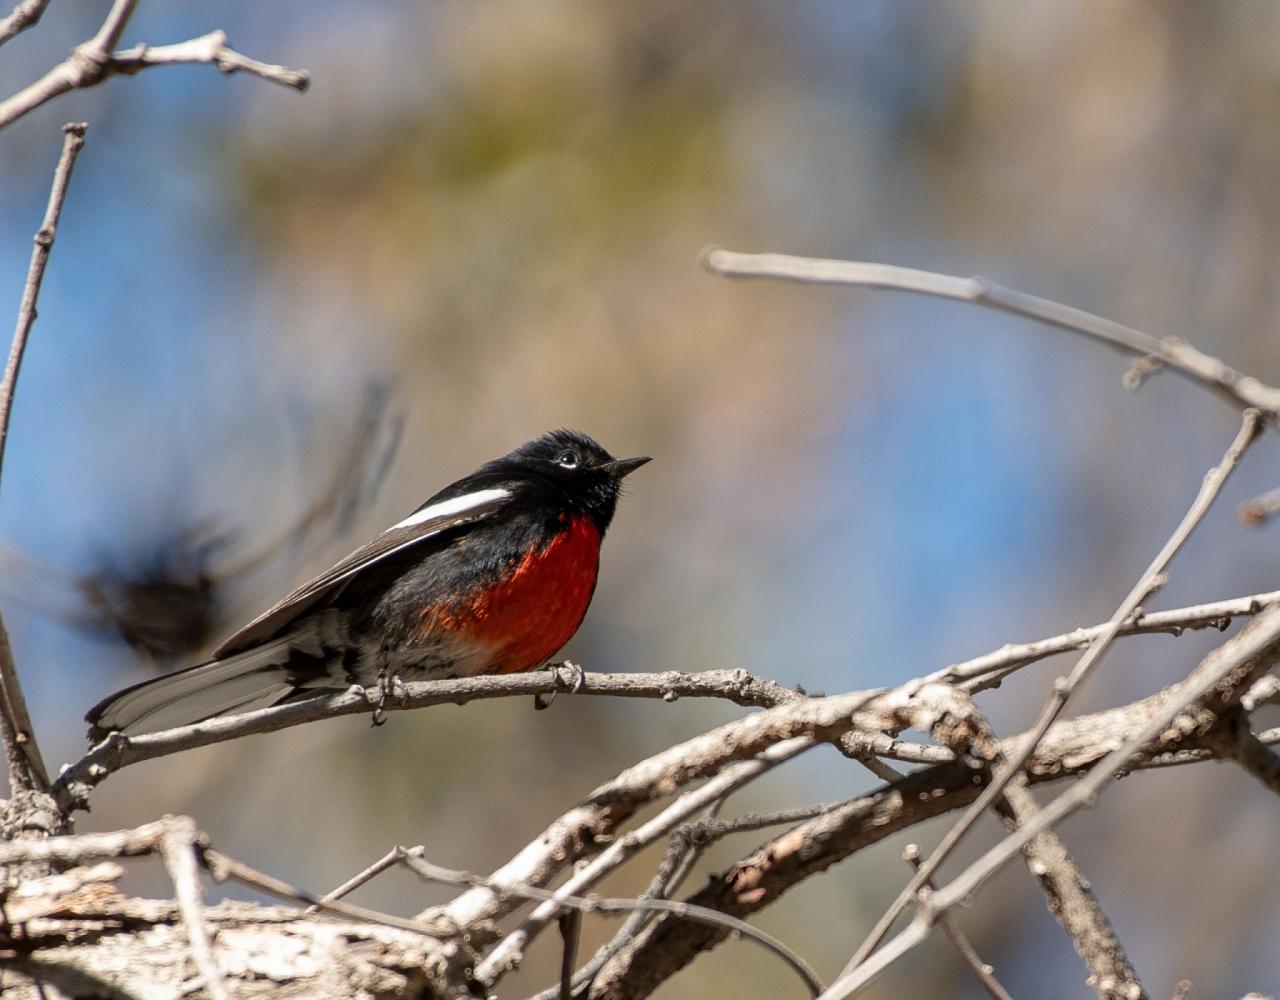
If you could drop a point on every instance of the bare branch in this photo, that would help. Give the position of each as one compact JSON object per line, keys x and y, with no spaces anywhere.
{"x":26,"y":767}
{"x":1213,"y":689}
{"x":108,"y":36}
{"x":1150,"y":581}
{"x":954,"y":720}
{"x":705,"y":832}
{"x":118,"y":751}
{"x":96,"y":60}
{"x":594,"y":821}
{"x":210,"y":48}
{"x":677,"y":862}
{"x":737,"y":686}
{"x":178,"y":849}
{"x":982,"y":672}
{"x":984,"y":973}
{"x":509,"y":951}
{"x":223,"y":868}
{"x":81,"y":848}
{"x":1072,"y":902}
{"x":151,"y":838}
{"x":1177,"y":354}
{"x":1235,"y":742}
{"x":392,"y":858}
{"x":25,"y":15}
{"x":86,"y":66}
{"x":76,"y":934}
{"x":959,"y":725}
{"x":783,"y":862}
{"x":414,"y":859}
{"x":1072,"y":747}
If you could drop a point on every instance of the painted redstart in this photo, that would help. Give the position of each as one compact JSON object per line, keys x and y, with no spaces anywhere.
{"x":492,"y":575}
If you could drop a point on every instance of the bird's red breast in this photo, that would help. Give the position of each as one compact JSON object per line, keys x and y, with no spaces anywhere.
{"x":535,"y":608}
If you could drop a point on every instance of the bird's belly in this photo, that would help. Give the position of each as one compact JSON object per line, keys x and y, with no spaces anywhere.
{"x":522,"y":619}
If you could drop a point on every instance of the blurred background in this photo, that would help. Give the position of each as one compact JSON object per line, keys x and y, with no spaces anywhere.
{"x":273,"y":324}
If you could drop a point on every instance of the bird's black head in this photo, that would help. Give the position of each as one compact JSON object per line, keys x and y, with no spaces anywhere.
{"x":576,"y":469}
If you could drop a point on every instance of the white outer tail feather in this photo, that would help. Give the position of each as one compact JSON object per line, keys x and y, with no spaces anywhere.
{"x":252,"y":679}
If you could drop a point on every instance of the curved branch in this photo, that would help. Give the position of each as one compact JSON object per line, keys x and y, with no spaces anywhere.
{"x":1177,"y":354}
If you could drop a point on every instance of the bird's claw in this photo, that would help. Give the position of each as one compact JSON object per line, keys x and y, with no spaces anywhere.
{"x":388,"y":685}
{"x":577,"y":677}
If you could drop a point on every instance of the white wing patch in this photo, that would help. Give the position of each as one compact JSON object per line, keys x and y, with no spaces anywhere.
{"x":449,"y":508}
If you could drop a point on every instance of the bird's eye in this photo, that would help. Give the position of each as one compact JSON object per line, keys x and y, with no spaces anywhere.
{"x":568,"y":460}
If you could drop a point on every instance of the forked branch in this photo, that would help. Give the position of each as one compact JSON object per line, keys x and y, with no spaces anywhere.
{"x":97,"y":59}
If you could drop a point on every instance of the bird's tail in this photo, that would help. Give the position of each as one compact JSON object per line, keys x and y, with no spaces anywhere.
{"x":253,"y":679}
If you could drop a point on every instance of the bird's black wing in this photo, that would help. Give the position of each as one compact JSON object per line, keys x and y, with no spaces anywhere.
{"x":428,"y":522}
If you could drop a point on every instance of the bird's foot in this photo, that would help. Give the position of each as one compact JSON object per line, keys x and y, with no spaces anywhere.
{"x":577,"y":676}
{"x":389,"y":685}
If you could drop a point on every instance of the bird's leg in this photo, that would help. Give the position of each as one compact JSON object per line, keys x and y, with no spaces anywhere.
{"x":576,"y":678}
{"x":386,"y":683}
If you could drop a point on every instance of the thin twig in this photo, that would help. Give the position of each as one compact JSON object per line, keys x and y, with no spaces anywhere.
{"x":983,"y":972}
{"x":209,"y":49}
{"x":507,"y":954}
{"x":1150,"y":581}
{"x":178,"y":849}
{"x":1221,"y":679}
{"x":558,"y":898}
{"x":677,"y":862}
{"x":222,"y":868}
{"x":95,"y":60}
{"x":705,"y":832}
{"x":389,"y":860}
{"x":26,"y":767}
{"x":24,"y":15}
{"x":983,"y":671}
{"x":1177,"y":354}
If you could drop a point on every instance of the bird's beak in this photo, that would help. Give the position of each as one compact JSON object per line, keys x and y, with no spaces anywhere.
{"x":624,"y":466}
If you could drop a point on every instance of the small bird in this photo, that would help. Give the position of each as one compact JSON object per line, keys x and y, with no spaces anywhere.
{"x":492,"y":575}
